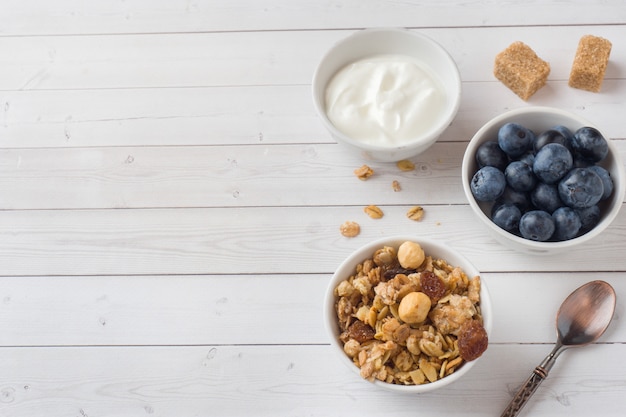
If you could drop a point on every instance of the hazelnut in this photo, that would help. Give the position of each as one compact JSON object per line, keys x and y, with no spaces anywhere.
{"x":414,"y":307}
{"x":410,"y":255}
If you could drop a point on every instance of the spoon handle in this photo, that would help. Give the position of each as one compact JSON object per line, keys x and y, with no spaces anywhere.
{"x":532,"y":383}
{"x":525,"y":392}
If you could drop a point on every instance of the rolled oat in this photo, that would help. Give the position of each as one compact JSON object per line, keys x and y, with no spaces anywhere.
{"x":415,"y":213}
{"x":350,"y":229}
{"x":363,"y":172}
{"x":373,"y":211}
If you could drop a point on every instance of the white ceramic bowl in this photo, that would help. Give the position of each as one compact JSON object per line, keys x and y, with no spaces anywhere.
{"x":370,"y":42}
{"x":539,"y":119}
{"x":348,"y":268}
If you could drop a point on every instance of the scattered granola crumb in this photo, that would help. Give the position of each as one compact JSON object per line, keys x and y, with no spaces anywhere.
{"x":415,"y":213}
{"x":364,"y":172}
{"x":405,"y":165}
{"x":396,"y":185}
{"x":350,"y":229}
{"x":373,"y":211}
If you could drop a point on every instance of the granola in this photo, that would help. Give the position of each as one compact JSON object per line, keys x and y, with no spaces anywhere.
{"x":363,"y":172}
{"x":405,"y":165}
{"x":373,"y":211}
{"x":398,"y":326}
{"x":415,"y":213}
{"x":350,"y":229}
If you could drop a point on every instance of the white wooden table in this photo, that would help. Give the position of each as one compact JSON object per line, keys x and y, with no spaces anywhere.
{"x":170,"y":208}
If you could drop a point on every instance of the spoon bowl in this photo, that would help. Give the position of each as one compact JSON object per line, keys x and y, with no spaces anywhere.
{"x":583,"y":317}
{"x":575,"y":325}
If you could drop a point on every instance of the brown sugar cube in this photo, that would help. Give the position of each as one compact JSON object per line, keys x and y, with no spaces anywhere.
{"x":592,"y":57}
{"x":521,"y":70}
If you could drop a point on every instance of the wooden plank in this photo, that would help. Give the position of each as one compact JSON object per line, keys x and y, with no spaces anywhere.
{"x":254,"y":58}
{"x":251,"y":309}
{"x":254,"y":240}
{"x":223,"y":176}
{"x":229,"y":115}
{"x":247,"y":115}
{"x":220,"y":176}
{"x":289,"y":381}
{"x":65,"y":17}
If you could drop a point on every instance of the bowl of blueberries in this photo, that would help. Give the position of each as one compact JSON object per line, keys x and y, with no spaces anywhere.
{"x":543,"y":180}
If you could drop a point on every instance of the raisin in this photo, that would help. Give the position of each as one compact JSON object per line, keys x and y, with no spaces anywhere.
{"x":360,"y":331}
{"x":432,"y":285}
{"x":391,"y":272}
{"x":473,"y":340}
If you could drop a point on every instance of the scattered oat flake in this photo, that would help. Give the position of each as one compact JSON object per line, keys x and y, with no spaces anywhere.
{"x":405,"y":165}
{"x":364,"y":172}
{"x":415,"y":213}
{"x":373,"y":211}
{"x":350,"y":229}
{"x":396,"y":185}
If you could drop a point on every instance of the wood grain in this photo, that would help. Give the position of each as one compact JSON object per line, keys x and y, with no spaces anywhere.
{"x":253,"y":240}
{"x":170,"y":206}
{"x":158,"y":16}
{"x":254,"y":309}
{"x":243,"y":115}
{"x":288,"y":380}
{"x":225,"y":59}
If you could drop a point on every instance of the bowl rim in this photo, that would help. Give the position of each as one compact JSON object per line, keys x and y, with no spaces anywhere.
{"x":536,"y":247}
{"x":430,"y":246}
{"x":431,"y":136}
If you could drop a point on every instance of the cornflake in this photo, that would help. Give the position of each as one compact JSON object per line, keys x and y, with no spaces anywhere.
{"x":386,"y":348}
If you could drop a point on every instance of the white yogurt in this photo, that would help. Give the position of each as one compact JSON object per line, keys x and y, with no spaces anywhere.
{"x":385,"y":99}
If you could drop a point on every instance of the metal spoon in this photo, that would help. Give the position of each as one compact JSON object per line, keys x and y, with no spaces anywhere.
{"x":583,"y":317}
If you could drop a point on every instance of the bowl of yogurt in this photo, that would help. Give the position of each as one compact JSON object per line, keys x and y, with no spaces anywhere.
{"x":387,"y":94}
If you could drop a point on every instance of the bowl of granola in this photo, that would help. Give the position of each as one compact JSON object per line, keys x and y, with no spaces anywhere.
{"x":408,"y":314}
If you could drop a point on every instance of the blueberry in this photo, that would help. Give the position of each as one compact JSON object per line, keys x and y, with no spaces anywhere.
{"x":520,"y":176}
{"x":566,"y":223}
{"x":528,"y":158}
{"x":546,"y":197}
{"x":517,"y":198}
{"x":507,"y":216}
{"x":580,"y":162}
{"x":590,"y":144}
{"x":589,"y":217}
{"x":565,"y":132}
{"x":515,"y":139}
{"x":581,"y":188}
{"x":552,"y":136}
{"x":490,"y":154}
{"x":488,"y":184}
{"x":552,"y":162}
{"x":536,"y":225}
{"x":607,"y":181}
